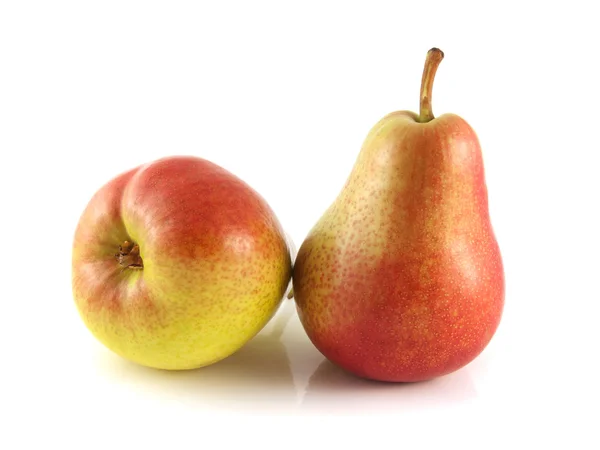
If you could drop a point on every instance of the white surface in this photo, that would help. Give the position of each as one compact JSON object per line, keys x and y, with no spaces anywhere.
{"x":282,"y":94}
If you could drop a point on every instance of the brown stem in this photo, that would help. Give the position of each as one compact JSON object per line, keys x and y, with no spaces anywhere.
{"x":433,"y":60}
{"x":129,"y":255}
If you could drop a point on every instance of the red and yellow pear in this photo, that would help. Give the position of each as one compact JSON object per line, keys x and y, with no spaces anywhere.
{"x":178,"y":263}
{"x":401,"y":279}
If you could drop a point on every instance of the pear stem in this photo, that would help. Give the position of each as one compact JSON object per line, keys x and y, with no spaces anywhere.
{"x":433,"y":60}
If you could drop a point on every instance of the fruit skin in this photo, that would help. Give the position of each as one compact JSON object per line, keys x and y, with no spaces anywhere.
{"x":216,"y":264}
{"x":402,"y":279}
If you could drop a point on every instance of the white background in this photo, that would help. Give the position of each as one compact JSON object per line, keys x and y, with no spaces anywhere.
{"x":282,"y":94}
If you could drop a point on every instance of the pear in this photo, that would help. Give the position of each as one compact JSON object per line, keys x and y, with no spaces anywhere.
{"x":402,"y":279}
{"x":178,"y":263}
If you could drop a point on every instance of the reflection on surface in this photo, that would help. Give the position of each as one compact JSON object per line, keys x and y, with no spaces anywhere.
{"x":333,"y":390}
{"x":280,"y":370}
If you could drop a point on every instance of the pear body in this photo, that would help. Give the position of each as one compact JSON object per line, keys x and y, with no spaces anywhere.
{"x":211,"y":269}
{"x":402,"y":279}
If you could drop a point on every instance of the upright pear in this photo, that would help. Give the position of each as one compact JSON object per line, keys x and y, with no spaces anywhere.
{"x":402,"y":279}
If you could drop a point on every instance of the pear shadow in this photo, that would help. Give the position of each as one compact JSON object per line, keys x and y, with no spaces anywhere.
{"x":333,"y":390}
{"x":256,"y":377}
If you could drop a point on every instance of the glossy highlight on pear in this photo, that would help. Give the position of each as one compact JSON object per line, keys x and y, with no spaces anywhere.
{"x":402,"y":279}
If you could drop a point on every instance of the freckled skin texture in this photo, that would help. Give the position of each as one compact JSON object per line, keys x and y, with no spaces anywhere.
{"x":216,"y":264}
{"x":402,"y":278}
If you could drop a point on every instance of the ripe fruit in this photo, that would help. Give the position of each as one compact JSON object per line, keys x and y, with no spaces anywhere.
{"x":402,"y":278}
{"x":178,"y":263}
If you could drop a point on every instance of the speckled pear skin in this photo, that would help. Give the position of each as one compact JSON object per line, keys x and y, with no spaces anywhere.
{"x":216,"y":264}
{"x":402,"y":279}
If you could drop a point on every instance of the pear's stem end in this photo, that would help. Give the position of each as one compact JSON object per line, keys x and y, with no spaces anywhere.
{"x":437,"y":51}
{"x":433,"y":60}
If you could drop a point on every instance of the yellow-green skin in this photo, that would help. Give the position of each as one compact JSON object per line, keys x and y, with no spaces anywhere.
{"x":216,"y":264}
